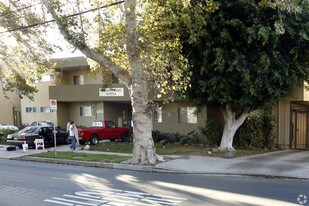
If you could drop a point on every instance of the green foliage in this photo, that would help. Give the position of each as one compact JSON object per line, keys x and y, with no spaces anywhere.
{"x":192,"y":138}
{"x":82,"y":156}
{"x":165,"y":137}
{"x":240,"y":59}
{"x":4,"y":133}
{"x":256,"y":132}
{"x":23,"y":49}
{"x":210,"y":131}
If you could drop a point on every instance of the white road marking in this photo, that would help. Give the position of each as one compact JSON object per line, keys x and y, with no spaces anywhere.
{"x":113,"y":197}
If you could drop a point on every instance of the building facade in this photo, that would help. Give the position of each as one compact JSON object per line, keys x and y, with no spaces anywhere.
{"x":292,"y":120}
{"x":79,"y":97}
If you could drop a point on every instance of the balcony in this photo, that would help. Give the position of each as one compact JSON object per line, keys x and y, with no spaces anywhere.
{"x":90,"y":92}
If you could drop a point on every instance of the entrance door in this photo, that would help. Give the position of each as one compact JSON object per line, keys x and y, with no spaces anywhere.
{"x":17,"y":116}
{"x":300,"y":126}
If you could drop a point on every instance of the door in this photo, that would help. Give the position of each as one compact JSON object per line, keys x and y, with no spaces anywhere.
{"x":300,"y":130}
{"x":17,"y":116}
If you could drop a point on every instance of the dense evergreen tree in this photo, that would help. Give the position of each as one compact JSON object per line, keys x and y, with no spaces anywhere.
{"x":246,"y":55}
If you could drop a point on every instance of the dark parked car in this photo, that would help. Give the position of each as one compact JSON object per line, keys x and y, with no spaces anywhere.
{"x":30,"y":133}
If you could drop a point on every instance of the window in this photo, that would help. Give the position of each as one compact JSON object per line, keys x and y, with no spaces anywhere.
{"x":45,"y":109}
{"x":87,"y":111}
{"x":114,"y":79}
{"x":47,"y":78}
{"x":97,"y":124}
{"x":78,"y":80}
{"x":110,"y":125}
{"x":157,"y":115}
{"x":187,"y":115}
{"x":44,"y":78}
{"x":37,"y":109}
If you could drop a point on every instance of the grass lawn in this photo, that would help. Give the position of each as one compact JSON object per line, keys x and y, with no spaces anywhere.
{"x":120,"y":147}
{"x":172,"y":149}
{"x":82,"y":157}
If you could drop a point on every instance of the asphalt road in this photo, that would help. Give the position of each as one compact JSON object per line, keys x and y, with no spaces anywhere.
{"x":40,"y":184}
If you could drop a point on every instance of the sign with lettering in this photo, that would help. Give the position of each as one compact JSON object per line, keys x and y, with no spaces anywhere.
{"x":111,"y":92}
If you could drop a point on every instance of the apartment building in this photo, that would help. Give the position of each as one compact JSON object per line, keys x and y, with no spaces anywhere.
{"x":79,"y":97}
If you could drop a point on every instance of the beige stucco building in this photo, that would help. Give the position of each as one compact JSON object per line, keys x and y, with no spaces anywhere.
{"x":79,"y":98}
{"x":10,"y":108}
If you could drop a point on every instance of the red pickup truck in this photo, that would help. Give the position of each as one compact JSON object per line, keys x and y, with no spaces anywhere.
{"x":103,"y":129}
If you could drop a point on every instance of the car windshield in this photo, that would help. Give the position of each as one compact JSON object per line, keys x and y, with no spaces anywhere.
{"x":29,"y":130}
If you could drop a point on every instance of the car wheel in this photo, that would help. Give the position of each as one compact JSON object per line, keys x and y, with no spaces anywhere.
{"x":94,"y":140}
{"x":125,"y":137}
{"x":82,"y":142}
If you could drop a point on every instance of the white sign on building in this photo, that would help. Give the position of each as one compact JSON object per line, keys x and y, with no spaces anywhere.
{"x":112,"y":92}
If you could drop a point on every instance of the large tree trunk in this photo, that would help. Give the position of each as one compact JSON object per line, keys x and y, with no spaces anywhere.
{"x":135,"y":80}
{"x":143,"y":151}
{"x":230,"y":127}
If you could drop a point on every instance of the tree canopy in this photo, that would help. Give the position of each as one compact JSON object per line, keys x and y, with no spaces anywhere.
{"x":24,"y":50}
{"x":138,"y":41}
{"x":240,"y":58}
{"x":248,"y":54}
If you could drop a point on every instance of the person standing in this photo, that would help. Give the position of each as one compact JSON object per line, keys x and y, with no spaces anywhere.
{"x":73,"y":134}
{"x":68,"y":126}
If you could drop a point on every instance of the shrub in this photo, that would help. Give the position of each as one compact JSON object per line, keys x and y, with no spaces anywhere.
{"x":165,"y":138}
{"x":210,"y":131}
{"x":257,"y":131}
{"x":192,"y":138}
{"x":4,"y":133}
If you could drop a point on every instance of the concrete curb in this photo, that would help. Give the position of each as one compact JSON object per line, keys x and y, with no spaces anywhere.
{"x":95,"y":164}
{"x":150,"y":169}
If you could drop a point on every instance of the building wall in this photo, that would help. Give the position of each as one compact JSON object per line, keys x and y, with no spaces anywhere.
{"x":7,"y":107}
{"x":119,"y":113}
{"x":41,"y":99}
{"x":74,"y":109}
{"x":170,"y":122}
{"x":63,"y":114}
{"x":281,"y":113}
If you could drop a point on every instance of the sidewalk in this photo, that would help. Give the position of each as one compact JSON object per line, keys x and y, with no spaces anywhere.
{"x":283,"y":164}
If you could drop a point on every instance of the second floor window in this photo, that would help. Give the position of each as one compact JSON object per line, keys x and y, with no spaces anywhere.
{"x":78,"y":80}
{"x":114,"y":79}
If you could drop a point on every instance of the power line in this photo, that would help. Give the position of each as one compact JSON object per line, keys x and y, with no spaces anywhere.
{"x":20,"y":9}
{"x":72,"y":15}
